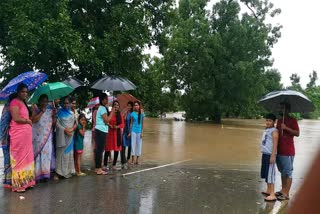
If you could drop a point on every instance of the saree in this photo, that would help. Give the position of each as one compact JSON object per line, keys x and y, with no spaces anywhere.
{"x":42,"y":144}
{"x":64,"y":144}
{"x":4,"y":143}
{"x":21,"y":150}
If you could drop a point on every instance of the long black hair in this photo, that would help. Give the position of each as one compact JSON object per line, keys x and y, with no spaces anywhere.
{"x":118,"y":122}
{"x":102,"y":96}
{"x":139,"y":114}
{"x":20,"y":87}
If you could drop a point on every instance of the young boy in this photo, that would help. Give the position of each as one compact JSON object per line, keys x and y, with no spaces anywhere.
{"x":269,"y":151}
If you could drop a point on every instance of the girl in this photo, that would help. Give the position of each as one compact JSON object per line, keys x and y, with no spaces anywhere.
{"x":136,"y":132}
{"x":78,"y":143}
{"x":126,"y":140}
{"x":114,"y":139}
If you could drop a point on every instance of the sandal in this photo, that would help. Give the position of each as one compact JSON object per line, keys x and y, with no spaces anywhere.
{"x":282,"y":197}
{"x":268,"y":199}
{"x":21,"y":191}
{"x":101,"y":173}
{"x":265,"y":193}
{"x":81,"y":174}
{"x":278,"y":193}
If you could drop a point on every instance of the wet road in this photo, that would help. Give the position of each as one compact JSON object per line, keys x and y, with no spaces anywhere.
{"x":221,"y":176}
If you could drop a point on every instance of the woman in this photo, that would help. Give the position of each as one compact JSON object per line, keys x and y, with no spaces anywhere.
{"x":42,"y":119}
{"x":21,"y":150}
{"x":65,"y":127}
{"x":126,"y":140}
{"x":74,"y":108}
{"x":101,"y":130}
{"x":114,"y":137}
{"x":136,"y":132}
{"x":4,"y":141}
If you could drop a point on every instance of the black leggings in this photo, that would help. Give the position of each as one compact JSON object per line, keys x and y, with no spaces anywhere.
{"x":115,"y":157}
{"x":100,"y":145}
{"x":123,"y":153}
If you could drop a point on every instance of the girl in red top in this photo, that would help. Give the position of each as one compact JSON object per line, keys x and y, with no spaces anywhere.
{"x":114,"y":139}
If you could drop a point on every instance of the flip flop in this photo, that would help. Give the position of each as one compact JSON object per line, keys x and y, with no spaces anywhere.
{"x":101,"y":173}
{"x":270,"y":200}
{"x":282,"y":197}
{"x":278,"y":193}
{"x":265,"y":193}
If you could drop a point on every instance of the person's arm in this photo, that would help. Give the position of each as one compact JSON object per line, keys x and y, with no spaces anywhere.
{"x":130,"y":127}
{"x":142,"y":117}
{"x":36,"y":116}
{"x":82,"y":130}
{"x":293,"y":131}
{"x":16,"y":118}
{"x":275,"y":139}
{"x":106,"y":118}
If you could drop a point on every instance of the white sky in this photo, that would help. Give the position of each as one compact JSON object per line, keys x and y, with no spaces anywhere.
{"x":298,"y":49}
{"x":299,"y":46}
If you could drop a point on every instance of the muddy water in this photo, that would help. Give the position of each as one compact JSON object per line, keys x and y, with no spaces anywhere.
{"x":234,"y":144}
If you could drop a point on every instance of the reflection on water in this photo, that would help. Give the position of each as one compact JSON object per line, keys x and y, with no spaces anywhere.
{"x":236,"y":143}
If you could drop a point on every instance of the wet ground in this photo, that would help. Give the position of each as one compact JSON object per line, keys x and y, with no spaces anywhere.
{"x":189,"y":168}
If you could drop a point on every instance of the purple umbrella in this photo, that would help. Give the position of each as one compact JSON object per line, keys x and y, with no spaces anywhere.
{"x":31,"y":78}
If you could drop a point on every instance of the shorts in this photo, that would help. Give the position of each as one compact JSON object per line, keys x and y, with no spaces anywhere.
{"x":268,"y":171}
{"x":285,"y":165}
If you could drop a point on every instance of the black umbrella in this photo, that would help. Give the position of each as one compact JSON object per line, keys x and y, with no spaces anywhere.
{"x":113,"y":83}
{"x":73,"y":82}
{"x":298,"y":101}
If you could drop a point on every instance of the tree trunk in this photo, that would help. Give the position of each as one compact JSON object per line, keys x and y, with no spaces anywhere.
{"x":217,"y":117}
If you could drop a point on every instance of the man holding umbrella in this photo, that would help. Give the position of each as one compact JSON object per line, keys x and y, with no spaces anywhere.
{"x":288,"y":129}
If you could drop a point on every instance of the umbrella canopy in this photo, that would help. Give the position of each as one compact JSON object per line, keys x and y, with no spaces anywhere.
{"x":54,"y":91}
{"x":94,"y":101}
{"x":123,"y":100}
{"x":31,"y":78}
{"x":113,"y":83}
{"x":298,"y":101}
{"x":73,"y":82}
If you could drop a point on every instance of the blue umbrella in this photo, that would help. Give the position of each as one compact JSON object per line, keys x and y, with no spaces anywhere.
{"x":31,"y":78}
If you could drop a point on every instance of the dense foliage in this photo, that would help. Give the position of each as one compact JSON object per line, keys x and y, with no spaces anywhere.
{"x":215,"y":63}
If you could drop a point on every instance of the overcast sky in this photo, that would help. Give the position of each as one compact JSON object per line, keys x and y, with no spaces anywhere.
{"x":299,"y":46}
{"x":297,"y":51}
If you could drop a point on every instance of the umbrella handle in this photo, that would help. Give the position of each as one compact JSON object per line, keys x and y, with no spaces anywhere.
{"x":284,"y":109}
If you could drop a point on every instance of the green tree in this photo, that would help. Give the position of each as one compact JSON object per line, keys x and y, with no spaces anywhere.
{"x":37,"y":34}
{"x":295,"y":82}
{"x":220,"y":61}
{"x":313,"y":93}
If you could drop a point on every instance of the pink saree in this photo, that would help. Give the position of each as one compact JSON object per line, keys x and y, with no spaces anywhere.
{"x":21,"y":150}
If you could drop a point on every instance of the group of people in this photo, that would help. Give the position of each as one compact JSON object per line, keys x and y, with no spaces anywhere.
{"x":116,"y":132}
{"x":47,"y":139}
{"x":277,"y":148}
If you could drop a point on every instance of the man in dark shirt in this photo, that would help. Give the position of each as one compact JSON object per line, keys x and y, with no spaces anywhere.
{"x":288,"y":128}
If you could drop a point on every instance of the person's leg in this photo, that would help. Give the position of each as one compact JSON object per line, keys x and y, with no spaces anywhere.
{"x":270,"y":181}
{"x":265,"y":159}
{"x":106,"y":158}
{"x":288,"y":171}
{"x":129,"y":152}
{"x":138,"y":147}
{"x":115,"y":158}
{"x":280,"y":166}
{"x":133,"y":146}
{"x":79,"y":163}
{"x":123,"y":155}
{"x":100,"y":145}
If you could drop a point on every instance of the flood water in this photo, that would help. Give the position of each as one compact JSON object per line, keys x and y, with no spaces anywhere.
{"x":218,"y":151}
{"x":234,"y":144}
